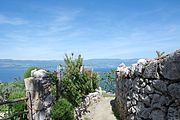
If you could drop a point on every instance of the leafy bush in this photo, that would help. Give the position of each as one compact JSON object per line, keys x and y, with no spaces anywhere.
{"x":108,"y":81}
{"x":76,"y":82}
{"x":17,"y":106}
{"x":27,"y":73}
{"x":62,"y":110}
{"x":11,"y":91}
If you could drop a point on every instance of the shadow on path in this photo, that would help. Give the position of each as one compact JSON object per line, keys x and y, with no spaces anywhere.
{"x":114,"y":109}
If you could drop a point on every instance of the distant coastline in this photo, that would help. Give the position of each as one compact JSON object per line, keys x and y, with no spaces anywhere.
{"x":14,"y":69}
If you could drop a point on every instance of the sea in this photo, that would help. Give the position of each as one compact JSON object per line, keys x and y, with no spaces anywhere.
{"x":11,"y":74}
{"x":11,"y":70}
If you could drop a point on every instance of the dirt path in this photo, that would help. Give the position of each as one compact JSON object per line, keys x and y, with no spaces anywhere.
{"x":101,"y":110}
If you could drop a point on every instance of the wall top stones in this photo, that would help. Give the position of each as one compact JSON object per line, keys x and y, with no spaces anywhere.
{"x":166,"y":67}
{"x":149,"y":89}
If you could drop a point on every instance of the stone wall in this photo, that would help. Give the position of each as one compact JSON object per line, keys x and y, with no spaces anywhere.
{"x":39,"y":95}
{"x":149,"y":89}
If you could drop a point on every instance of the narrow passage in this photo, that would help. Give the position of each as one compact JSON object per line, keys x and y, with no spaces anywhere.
{"x":101,"y":110}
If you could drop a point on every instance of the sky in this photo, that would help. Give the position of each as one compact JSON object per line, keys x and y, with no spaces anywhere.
{"x":121,"y":29}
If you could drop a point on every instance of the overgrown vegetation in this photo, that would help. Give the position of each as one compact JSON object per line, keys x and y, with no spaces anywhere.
{"x":77,"y":82}
{"x":62,"y":110}
{"x":10,"y":91}
{"x":108,"y":80}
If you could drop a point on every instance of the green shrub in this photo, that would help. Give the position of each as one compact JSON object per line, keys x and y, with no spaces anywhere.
{"x":27,"y":73}
{"x":108,"y":80}
{"x":62,"y":110}
{"x":75,"y":84}
{"x":20,"y":106}
{"x":13,"y":90}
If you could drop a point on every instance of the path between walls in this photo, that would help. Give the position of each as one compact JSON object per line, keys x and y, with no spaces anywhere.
{"x":101,"y":110}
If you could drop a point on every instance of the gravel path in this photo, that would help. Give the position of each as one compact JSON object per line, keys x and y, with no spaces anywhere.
{"x":101,"y":110}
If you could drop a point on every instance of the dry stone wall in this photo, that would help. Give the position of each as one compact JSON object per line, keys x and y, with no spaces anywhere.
{"x":149,"y":89}
{"x":38,"y":90}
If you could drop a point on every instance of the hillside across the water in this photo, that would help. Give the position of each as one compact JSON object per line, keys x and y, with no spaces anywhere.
{"x":11,"y":69}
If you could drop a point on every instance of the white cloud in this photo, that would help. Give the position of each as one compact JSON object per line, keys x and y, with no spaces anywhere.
{"x":12,"y":21}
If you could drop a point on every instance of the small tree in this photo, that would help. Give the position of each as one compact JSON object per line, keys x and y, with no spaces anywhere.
{"x":160,"y":54}
{"x":76,"y":83}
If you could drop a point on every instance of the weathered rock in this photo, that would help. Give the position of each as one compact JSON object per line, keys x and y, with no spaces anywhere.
{"x":151,"y":71}
{"x":174,"y":90}
{"x":134,"y":102}
{"x":132,"y":110}
{"x":132,"y":69}
{"x":145,"y":113}
{"x":146,"y":101}
{"x":155,"y":101}
{"x":136,"y":88}
{"x":38,"y":73}
{"x":170,"y":66}
{"x":148,"y":89}
{"x":173,"y":113}
{"x":128,"y":104}
{"x":152,"y":91}
{"x":160,"y":85}
{"x":143,"y":84}
{"x":157,"y":115}
{"x":38,"y":88}
{"x":177,"y":102}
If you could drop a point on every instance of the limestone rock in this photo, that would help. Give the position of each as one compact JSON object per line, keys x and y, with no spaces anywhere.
{"x":170,"y":66}
{"x":174,"y":90}
{"x":128,"y":104}
{"x":146,"y":101}
{"x":143,"y":84}
{"x":39,"y":73}
{"x":48,"y":101}
{"x":132,"y":69}
{"x":160,"y":85}
{"x":122,"y":70}
{"x":148,"y":89}
{"x":173,"y":113}
{"x":145,"y":113}
{"x":142,"y":61}
{"x":151,"y":71}
{"x":157,"y":115}
{"x":155,"y":100}
{"x":177,"y":102}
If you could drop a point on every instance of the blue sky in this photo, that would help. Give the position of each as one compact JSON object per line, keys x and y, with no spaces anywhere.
{"x":47,"y":29}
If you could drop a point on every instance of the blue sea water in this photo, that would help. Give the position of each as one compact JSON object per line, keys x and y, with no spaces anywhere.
{"x":10,"y":74}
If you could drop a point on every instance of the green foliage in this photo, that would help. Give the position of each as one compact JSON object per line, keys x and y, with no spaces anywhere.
{"x":27,"y":73}
{"x":17,"y":106}
{"x":75,"y":84}
{"x":11,"y":91}
{"x":53,"y":76}
{"x":62,"y":110}
{"x":108,"y":79}
{"x":160,"y":54}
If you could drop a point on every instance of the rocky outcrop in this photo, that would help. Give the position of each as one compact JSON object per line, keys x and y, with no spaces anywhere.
{"x":150,"y":89}
{"x":39,"y":95}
